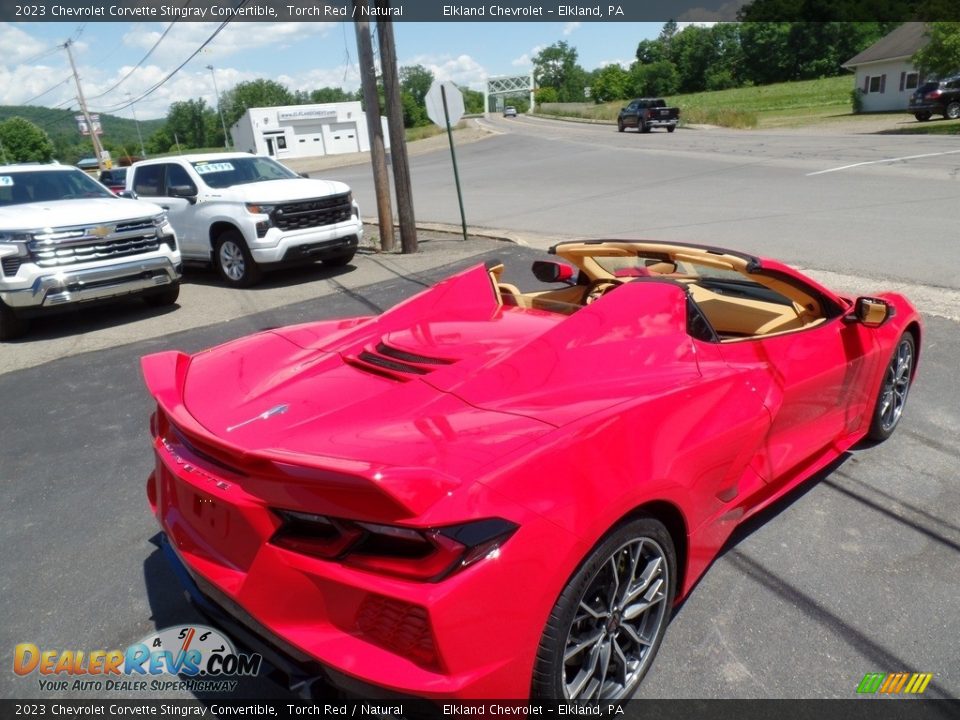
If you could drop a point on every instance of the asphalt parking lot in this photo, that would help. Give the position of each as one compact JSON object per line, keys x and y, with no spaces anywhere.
{"x":855,"y":573}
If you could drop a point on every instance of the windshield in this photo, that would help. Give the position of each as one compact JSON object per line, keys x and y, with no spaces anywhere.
{"x":18,"y":188}
{"x":240,"y":171}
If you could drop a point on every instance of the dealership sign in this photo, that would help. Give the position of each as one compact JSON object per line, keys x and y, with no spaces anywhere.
{"x":305,"y":114}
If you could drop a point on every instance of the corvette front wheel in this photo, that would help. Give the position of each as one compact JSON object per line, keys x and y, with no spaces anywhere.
{"x":893,"y":391}
{"x":608,"y":622}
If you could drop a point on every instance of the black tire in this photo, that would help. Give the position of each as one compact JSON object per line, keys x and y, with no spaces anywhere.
{"x":339,"y":260}
{"x":620,"y":127}
{"x":590,"y":614}
{"x":671,"y":128}
{"x":233,"y":261}
{"x":12,"y":326}
{"x":894,"y":388}
{"x":922,"y":116}
{"x":952,"y":111}
{"x":643,"y":127}
{"x":162,"y":298}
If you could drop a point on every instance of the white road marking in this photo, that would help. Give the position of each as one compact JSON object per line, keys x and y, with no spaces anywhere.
{"x":886,"y":160}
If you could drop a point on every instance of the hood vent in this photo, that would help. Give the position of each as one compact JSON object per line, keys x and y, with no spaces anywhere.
{"x":395,"y":363}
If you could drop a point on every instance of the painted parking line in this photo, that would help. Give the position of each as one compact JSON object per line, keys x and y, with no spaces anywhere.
{"x":885,"y":160}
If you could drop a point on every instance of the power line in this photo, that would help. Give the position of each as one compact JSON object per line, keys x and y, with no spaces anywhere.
{"x":135,"y":67}
{"x":48,"y":90}
{"x":158,"y":85}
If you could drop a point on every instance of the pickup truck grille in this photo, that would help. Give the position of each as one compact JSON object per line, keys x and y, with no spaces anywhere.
{"x":313,"y":213}
{"x":72,"y":245}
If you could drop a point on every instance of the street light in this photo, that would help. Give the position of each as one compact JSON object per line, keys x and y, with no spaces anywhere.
{"x":226,"y":143}
{"x":133,"y":109}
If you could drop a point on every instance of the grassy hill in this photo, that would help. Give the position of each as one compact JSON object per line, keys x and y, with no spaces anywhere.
{"x":119,"y":134}
{"x":778,"y":105}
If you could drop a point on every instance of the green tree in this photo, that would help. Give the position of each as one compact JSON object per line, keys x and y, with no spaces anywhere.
{"x":556,"y":67}
{"x":188,"y":121}
{"x":24,"y":142}
{"x":941,"y":56}
{"x":653,"y":80}
{"x":414,"y":114}
{"x":255,"y":93}
{"x":330,"y":95}
{"x":546,"y":95}
{"x":610,"y":82}
{"x":416,"y":80}
{"x":472,"y":101}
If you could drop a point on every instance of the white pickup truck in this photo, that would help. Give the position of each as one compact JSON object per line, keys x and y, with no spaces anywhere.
{"x":244,"y":213}
{"x":66,"y":239}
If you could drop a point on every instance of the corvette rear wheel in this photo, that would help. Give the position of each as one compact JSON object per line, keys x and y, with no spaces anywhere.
{"x":608,"y":622}
{"x":893,"y":391}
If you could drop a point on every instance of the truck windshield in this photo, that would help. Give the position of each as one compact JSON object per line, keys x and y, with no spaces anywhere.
{"x":240,"y":171}
{"x":19,"y":188}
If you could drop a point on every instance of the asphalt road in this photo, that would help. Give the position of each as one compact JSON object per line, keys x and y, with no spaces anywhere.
{"x":753,"y":191}
{"x":857,"y":573}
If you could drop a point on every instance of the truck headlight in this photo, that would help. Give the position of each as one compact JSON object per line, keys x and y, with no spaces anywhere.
{"x":259,"y":208}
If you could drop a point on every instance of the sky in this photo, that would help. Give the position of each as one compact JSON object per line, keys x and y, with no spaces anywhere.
{"x":299,"y":55}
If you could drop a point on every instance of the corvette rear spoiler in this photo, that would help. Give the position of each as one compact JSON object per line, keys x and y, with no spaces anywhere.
{"x":353,"y":485}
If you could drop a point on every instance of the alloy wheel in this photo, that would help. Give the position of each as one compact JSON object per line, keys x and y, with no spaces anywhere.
{"x":615,"y":627}
{"x":896,"y":385}
{"x":232,"y":260}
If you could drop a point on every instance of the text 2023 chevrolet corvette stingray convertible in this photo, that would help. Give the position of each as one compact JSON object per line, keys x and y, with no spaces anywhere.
{"x":490,"y":493}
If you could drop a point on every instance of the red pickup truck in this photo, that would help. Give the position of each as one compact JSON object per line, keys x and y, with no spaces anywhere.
{"x":647,"y":113}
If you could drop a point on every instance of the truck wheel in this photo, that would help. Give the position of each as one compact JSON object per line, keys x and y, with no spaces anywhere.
{"x":339,"y":260}
{"x":922,"y":116}
{"x":952,"y":111}
{"x":643,"y":127}
{"x":233,"y":260}
{"x":671,"y":128}
{"x":11,"y":325}
{"x":620,"y":127}
{"x":167,"y":296}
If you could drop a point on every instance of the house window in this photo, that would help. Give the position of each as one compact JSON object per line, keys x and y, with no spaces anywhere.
{"x":913,"y":80}
{"x":875,"y":83}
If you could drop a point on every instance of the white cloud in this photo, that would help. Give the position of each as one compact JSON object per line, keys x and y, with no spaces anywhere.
{"x":625,"y":64}
{"x":526,"y":60}
{"x":571,"y":27}
{"x":18,"y":45}
{"x":239,"y":37}
{"x":463,"y":69}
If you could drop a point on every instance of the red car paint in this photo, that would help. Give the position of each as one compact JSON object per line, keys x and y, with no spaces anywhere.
{"x":558,"y":424}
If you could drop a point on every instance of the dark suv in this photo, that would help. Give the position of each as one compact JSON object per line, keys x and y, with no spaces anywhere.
{"x":115,"y":180}
{"x":937,"y":97}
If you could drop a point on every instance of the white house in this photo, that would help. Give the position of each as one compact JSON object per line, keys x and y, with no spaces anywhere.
{"x":293,"y":131}
{"x":884,"y":73}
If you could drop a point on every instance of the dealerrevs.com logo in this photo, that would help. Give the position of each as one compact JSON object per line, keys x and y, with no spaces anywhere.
{"x":204,"y":659}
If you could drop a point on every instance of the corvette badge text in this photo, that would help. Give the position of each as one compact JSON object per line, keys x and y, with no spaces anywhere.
{"x":204,"y":659}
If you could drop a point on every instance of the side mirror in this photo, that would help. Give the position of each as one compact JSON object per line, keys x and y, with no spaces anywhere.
{"x":550,"y":272}
{"x":128,"y":194}
{"x":186,"y":192}
{"x":871,"y":312}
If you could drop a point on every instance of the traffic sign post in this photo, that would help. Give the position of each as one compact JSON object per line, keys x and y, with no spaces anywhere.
{"x":446,"y":97}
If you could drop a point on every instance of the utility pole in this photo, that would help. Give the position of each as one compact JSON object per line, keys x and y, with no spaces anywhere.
{"x":133,"y":109}
{"x":226,"y":138}
{"x":378,"y":155}
{"x":97,"y":147}
{"x":398,"y":140}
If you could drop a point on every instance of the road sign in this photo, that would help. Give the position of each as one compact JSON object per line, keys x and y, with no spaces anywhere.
{"x":82,"y":124}
{"x":434,"y":101}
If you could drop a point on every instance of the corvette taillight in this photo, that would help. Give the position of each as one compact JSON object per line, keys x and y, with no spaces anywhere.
{"x":427,"y":555}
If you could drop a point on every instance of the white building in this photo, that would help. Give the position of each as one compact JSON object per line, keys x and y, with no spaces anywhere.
{"x":294,"y":131}
{"x":884,"y":73}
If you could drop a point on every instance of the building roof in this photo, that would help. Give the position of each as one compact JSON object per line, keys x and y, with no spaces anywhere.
{"x":902,"y":42}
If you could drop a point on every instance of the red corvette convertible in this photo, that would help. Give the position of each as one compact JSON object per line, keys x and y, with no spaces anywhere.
{"x":491,"y":493}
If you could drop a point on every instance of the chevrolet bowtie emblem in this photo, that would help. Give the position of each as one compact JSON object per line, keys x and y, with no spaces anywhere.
{"x":100,"y":231}
{"x":265,"y":415}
